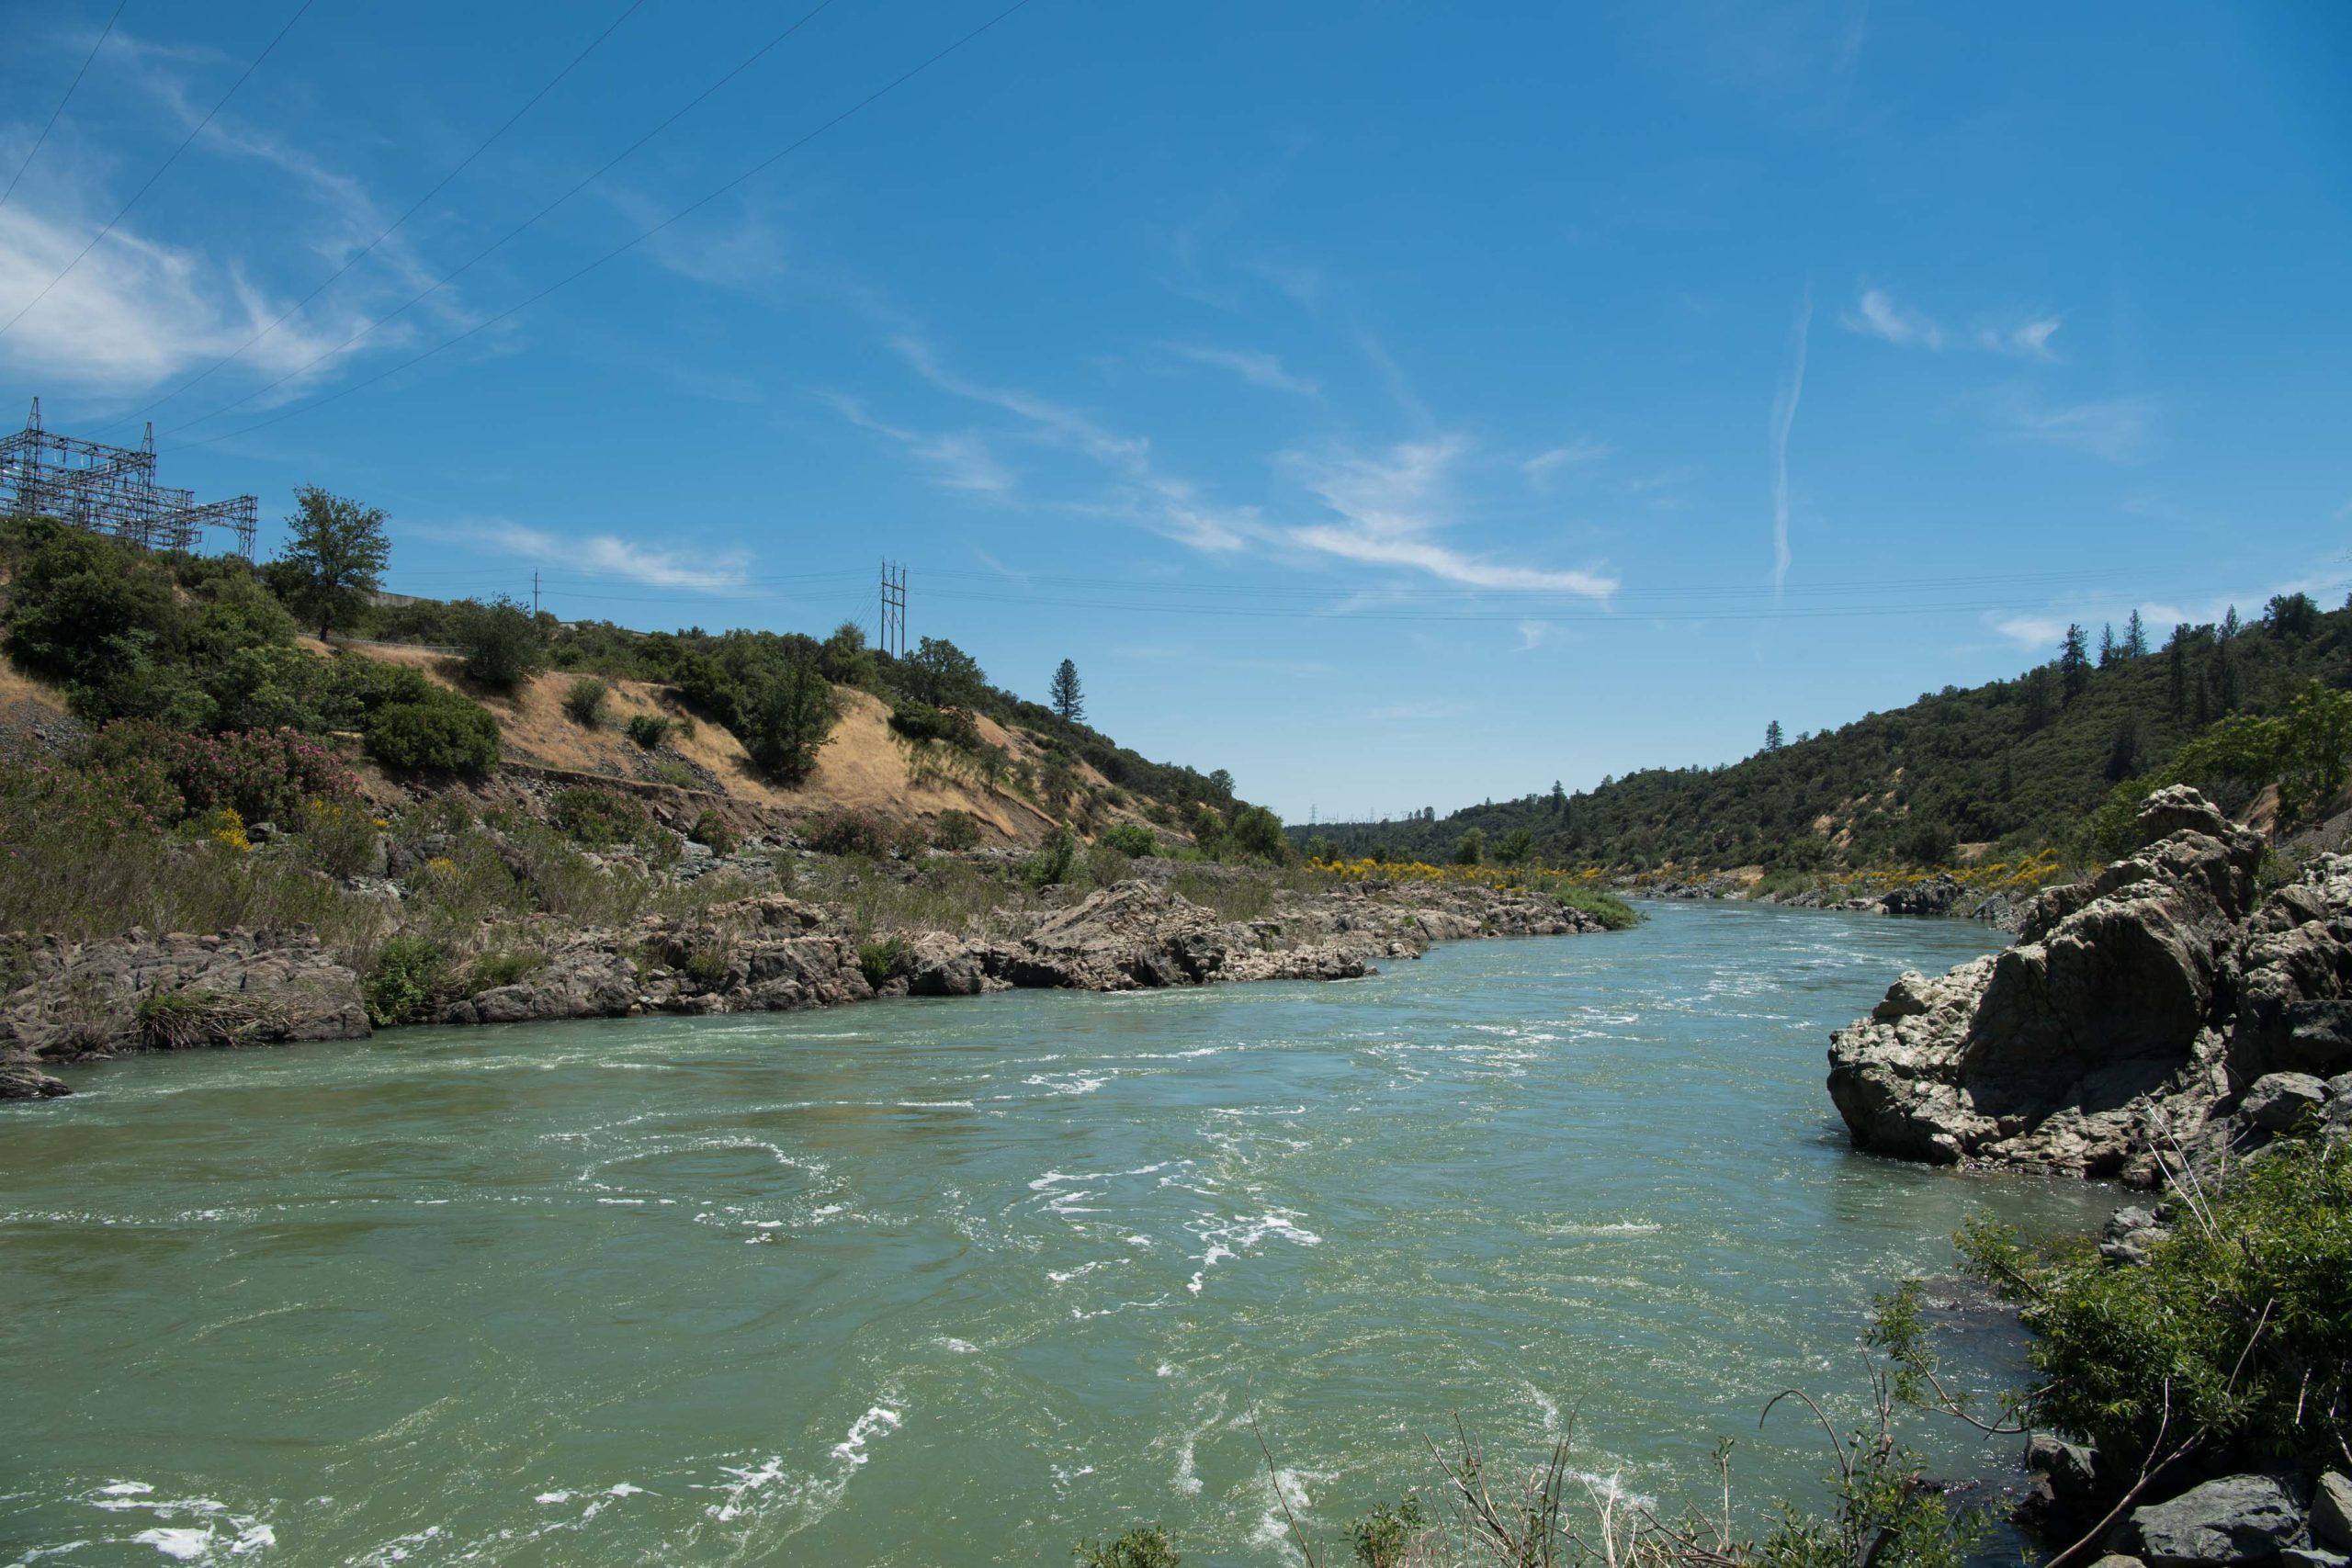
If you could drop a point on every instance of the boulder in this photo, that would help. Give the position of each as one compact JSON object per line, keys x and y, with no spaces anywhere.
{"x":2129,"y":1234}
{"x":2312,"y":1557}
{"x":136,"y":991}
{"x":2332,"y":1512}
{"x":18,"y":1081}
{"x":2238,"y":1519}
{"x":2104,"y":1031}
{"x":2279,"y":1100}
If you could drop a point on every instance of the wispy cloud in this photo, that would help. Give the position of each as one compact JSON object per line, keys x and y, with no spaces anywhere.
{"x":2027,"y":339}
{"x":2040,"y":632}
{"x":1257,"y":369}
{"x":960,"y":459}
{"x":1784,"y":419}
{"x":601,"y":554}
{"x":1569,"y":454}
{"x":1141,"y":492}
{"x":1876,"y":314}
{"x":2117,"y":429}
{"x":1392,"y":507}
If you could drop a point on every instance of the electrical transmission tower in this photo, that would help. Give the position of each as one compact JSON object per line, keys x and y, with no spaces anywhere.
{"x":111,"y":490}
{"x":893,"y":625}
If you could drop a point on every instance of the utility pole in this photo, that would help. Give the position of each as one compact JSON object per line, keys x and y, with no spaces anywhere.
{"x":535,"y":596}
{"x":891,"y":628}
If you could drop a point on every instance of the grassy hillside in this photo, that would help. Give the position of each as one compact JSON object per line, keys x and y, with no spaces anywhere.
{"x":2017,"y":764}
{"x":427,"y":690}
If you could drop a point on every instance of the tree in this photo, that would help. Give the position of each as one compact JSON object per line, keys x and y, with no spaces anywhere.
{"x":1471,"y":848}
{"x":789,"y":716}
{"x":1559,"y":799}
{"x":941,"y":674}
{"x":2041,"y":698}
{"x":2292,"y":615}
{"x":501,"y":643}
{"x":333,"y":560}
{"x":846,"y":661}
{"x":2123,"y":752}
{"x":2135,"y":636}
{"x":2109,"y":648}
{"x":1068,"y":701}
{"x":2177,"y":672}
{"x":1221,"y":782}
{"x":1516,"y":847}
{"x":2075,"y":662}
{"x":1773,"y":738}
{"x":1258,"y":833}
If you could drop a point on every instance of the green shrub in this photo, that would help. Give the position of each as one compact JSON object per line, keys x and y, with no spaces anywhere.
{"x":878,"y":961}
{"x":846,"y":831}
{"x":676,"y":774}
{"x":437,"y":730}
{"x":493,"y":970}
{"x":1613,"y":913}
{"x":1130,"y":840}
{"x":955,"y":831}
{"x":400,"y":988}
{"x":1051,"y":864}
{"x":1257,"y":833}
{"x":501,"y":643}
{"x":705,"y":966}
{"x":338,"y":837}
{"x":1471,"y":848}
{"x":584,"y":702}
{"x":602,"y":818}
{"x":1385,"y":1537}
{"x":649,"y":729}
{"x":711,"y":832}
{"x":1145,"y":1546}
{"x":920,"y":721}
{"x":2238,"y":1327}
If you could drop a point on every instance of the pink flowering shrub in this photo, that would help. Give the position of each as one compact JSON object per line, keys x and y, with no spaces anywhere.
{"x":263,"y":775}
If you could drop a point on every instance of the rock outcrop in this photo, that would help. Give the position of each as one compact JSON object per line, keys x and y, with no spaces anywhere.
{"x":71,"y":1001}
{"x":2147,"y":1009}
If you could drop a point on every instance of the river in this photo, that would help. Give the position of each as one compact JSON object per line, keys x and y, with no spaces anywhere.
{"x":961,"y":1281}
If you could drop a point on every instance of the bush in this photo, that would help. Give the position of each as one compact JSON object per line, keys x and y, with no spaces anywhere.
{"x":711,"y":832}
{"x":1471,"y":848}
{"x":920,"y":721}
{"x":788,"y":719}
{"x":501,"y":643}
{"x":1051,"y":864}
{"x":649,"y":729}
{"x":338,"y":837}
{"x":584,"y":702}
{"x":1145,"y":1546}
{"x":1130,"y":840}
{"x":438,"y":728}
{"x":493,"y":970}
{"x":398,"y":988}
{"x":2237,"y":1328}
{"x":1613,"y":913}
{"x":1258,"y":834}
{"x":264,"y":776}
{"x":955,"y":831}
{"x":878,"y":961}
{"x":846,"y":831}
{"x":602,"y":818}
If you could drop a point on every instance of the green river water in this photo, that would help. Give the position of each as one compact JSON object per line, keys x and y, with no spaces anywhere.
{"x":960,"y":1282}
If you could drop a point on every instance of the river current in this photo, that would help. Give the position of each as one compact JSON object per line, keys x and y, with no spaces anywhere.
{"x":962,"y":1282}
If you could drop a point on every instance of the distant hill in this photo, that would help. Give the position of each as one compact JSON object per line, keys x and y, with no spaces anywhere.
{"x":2014,"y":764}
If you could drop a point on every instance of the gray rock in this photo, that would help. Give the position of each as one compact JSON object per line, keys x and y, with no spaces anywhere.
{"x":2277,"y":1100}
{"x":20,"y":1082}
{"x":2332,"y":1511}
{"x":241,"y":987}
{"x":2312,"y":1557}
{"x":2117,"y":1560}
{"x":2105,"y":1032}
{"x":2239,"y":1519}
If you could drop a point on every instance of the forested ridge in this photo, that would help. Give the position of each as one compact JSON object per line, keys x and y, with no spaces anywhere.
{"x":2018,"y":764}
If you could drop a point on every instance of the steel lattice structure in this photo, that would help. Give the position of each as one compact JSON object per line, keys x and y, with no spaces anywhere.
{"x":111,"y":490}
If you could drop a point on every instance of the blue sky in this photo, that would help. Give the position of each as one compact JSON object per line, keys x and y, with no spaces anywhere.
{"x":1399,"y":405}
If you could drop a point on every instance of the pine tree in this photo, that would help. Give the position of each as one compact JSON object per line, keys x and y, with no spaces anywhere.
{"x":2107,"y":645}
{"x":1772,"y":737}
{"x":2177,"y":672}
{"x":1559,"y":799}
{"x":1068,"y":701}
{"x":2135,"y":636}
{"x":2075,"y":662}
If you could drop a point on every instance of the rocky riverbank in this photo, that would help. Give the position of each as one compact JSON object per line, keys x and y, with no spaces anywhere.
{"x":2161,"y":1011}
{"x":75,"y":1001}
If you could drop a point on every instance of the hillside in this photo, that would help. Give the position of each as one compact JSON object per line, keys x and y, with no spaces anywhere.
{"x":2012,"y":765}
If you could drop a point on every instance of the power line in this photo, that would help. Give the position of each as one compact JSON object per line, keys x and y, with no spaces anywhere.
{"x":675,"y":115}
{"x":368,"y":249}
{"x":167,"y":162}
{"x":43,"y":137}
{"x":622,"y":249}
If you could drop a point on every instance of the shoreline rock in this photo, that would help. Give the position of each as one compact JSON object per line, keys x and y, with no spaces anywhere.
{"x":81,"y":1001}
{"x":2154,"y":1012}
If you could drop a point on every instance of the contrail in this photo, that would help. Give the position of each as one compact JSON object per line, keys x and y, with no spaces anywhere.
{"x":1784,"y":415}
